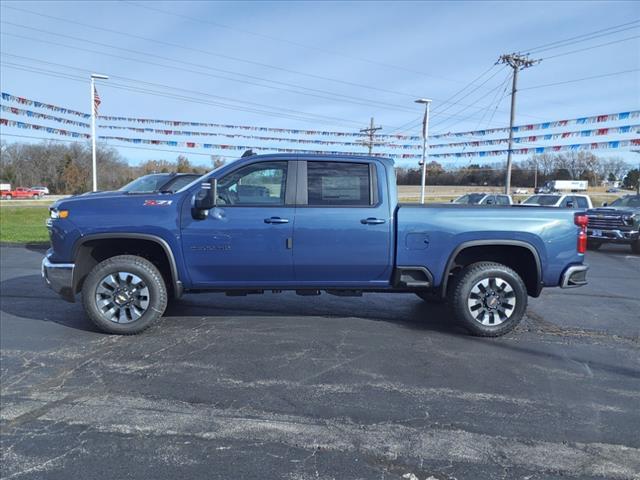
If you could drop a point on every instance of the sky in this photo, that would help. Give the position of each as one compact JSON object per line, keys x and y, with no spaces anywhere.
{"x":322,"y":66}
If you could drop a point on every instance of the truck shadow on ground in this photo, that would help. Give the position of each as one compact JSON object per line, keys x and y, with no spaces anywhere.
{"x":28,"y":298}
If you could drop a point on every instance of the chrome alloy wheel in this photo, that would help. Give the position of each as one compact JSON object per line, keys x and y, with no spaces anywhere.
{"x":491,"y":301}
{"x":122,"y":297}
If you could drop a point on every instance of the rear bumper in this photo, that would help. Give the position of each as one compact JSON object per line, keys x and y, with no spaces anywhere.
{"x":574,"y":276}
{"x":59,"y":278}
{"x":614,"y":236}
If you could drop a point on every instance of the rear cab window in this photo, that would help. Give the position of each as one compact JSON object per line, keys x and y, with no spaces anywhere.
{"x":339,"y":184}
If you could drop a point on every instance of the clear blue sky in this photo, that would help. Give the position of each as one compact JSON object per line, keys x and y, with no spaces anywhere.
{"x":399,"y":50}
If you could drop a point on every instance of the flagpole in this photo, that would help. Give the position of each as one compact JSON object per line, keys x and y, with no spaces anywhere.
{"x":93,"y":127}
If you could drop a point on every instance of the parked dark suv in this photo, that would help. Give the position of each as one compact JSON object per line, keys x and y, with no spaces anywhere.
{"x":618,"y":222}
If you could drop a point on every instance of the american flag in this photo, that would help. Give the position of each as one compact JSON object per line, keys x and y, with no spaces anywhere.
{"x":96,"y":101}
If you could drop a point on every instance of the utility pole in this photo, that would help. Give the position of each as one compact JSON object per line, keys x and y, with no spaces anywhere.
{"x":371,"y":132}
{"x":638,"y":182}
{"x":517,"y":62}
{"x":425,"y":135}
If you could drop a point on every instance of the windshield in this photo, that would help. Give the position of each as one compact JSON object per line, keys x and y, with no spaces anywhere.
{"x":178,"y":182}
{"x":632,"y":201}
{"x":471,"y":198}
{"x":545,"y":200}
{"x":159,"y":182}
{"x":148,"y":183}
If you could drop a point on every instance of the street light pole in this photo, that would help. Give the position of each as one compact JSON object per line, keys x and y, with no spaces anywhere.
{"x":94,"y":108}
{"x":425,"y":136}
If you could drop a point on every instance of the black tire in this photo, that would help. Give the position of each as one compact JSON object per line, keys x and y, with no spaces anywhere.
{"x":593,"y":244}
{"x":635,"y":246}
{"x":8,"y":197}
{"x":152,"y":285}
{"x":431,"y":297}
{"x":499,"y":319}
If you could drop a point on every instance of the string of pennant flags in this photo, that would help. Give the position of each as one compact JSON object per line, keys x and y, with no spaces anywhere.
{"x":603,"y":118}
{"x":44,"y":116}
{"x":627,"y":129}
{"x":616,"y":144}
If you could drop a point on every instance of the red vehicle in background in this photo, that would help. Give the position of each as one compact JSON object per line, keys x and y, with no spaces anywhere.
{"x":20,"y":192}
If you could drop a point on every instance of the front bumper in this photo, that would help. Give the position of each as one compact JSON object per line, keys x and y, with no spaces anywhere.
{"x":59,"y":278}
{"x":574,"y":276}
{"x":613,"y":236}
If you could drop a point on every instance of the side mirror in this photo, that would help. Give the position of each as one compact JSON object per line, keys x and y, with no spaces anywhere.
{"x":570,"y":204}
{"x":604,"y":204}
{"x":205,"y":199}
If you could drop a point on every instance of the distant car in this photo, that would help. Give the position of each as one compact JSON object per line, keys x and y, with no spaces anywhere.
{"x":521,"y":191}
{"x":613,"y":190}
{"x":42,"y":190}
{"x":484,"y":199}
{"x":559,"y":200}
{"x":20,"y":192}
{"x":618,"y":222}
{"x":160,"y":182}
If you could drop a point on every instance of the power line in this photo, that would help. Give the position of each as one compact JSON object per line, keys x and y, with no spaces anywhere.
{"x":136,"y":81}
{"x":298,"y":114}
{"x":581,"y":79}
{"x":591,"y":47}
{"x":270,"y":37}
{"x":347,"y":98}
{"x":586,"y":36}
{"x":219,"y":55}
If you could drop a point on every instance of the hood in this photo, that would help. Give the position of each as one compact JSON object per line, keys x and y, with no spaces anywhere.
{"x":622,"y":211}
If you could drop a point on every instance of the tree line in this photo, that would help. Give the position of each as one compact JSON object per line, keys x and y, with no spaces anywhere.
{"x":66,"y":169}
{"x":536,"y":169}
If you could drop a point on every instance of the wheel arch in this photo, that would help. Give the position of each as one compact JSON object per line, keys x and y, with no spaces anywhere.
{"x":92,"y":249}
{"x":525,"y":263}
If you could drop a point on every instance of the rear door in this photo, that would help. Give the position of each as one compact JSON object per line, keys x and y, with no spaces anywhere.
{"x":343,"y":227}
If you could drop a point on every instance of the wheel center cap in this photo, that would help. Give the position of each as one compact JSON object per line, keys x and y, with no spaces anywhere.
{"x":492,"y":301}
{"x":122,"y":297}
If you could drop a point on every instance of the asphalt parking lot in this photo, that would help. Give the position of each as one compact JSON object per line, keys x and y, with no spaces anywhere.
{"x":281,"y":386}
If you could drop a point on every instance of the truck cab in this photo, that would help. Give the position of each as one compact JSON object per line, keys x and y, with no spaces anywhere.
{"x":306,"y":223}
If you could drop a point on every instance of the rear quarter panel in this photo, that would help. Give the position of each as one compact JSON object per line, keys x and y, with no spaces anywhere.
{"x":440,"y":229}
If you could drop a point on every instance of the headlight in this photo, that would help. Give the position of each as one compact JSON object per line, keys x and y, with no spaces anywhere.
{"x":53,"y":213}
{"x":628,"y":220}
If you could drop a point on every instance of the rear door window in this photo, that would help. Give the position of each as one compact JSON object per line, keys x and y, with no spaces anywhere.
{"x":502,"y":200}
{"x":338,"y":184}
{"x":581,"y":202}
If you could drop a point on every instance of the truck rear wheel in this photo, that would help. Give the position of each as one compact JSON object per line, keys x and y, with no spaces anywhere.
{"x":489,"y":299}
{"x":125,"y":294}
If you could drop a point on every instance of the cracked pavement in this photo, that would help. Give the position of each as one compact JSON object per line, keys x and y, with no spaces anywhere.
{"x":281,"y":386}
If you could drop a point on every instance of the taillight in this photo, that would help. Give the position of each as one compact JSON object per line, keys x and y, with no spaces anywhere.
{"x":582,"y":221}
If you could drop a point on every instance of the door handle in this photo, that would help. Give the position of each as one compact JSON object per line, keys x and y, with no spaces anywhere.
{"x":274,"y":220}
{"x":372,"y":221}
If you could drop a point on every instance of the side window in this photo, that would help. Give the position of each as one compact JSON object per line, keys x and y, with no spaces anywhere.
{"x":502,"y":200}
{"x":338,"y":183}
{"x":256,"y":184}
{"x":581,"y":202}
{"x":489,"y":200}
{"x":567,"y":201}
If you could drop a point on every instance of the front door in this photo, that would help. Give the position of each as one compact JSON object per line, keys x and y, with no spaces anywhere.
{"x":246,"y":240}
{"x":342,"y":234}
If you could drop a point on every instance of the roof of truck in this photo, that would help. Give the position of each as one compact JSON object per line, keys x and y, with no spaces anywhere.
{"x":318,"y":156}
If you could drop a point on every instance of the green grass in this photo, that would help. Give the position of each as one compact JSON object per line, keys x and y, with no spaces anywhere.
{"x":23,"y":224}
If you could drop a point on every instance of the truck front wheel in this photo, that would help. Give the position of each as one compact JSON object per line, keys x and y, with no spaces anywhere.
{"x":125,"y":294}
{"x":487,"y":298}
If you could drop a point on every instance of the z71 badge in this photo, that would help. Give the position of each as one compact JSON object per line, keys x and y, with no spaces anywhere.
{"x":157,"y":203}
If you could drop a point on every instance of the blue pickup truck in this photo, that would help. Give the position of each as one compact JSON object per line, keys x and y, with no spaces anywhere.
{"x":308,"y":224}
